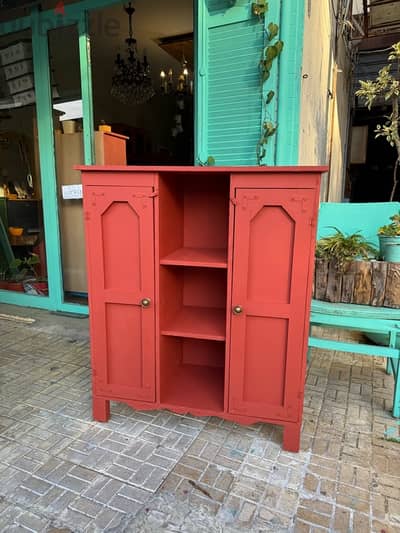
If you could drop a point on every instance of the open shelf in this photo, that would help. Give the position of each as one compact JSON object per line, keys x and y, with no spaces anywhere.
{"x":197,"y":387}
{"x":197,"y":257}
{"x":198,"y":323}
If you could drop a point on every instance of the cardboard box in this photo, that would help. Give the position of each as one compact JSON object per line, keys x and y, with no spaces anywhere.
{"x":15,"y":70}
{"x":16,"y":52}
{"x":25,"y":98}
{"x":21,"y":84}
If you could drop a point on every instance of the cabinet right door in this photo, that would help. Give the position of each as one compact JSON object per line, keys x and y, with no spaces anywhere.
{"x":271,"y":258}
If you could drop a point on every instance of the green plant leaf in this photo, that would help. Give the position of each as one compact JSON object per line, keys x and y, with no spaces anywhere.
{"x":279,"y":46}
{"x":210,"y":161}
{"x":270,"y":53}
{"x":265,"y":75}
{"x":259,"y":8}
{"x":270,"y":96}
{"x":273,"y":30}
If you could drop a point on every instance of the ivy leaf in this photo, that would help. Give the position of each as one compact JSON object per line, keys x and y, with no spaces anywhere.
{"x":265,"y":75}
{"x":271,"y":52}
{"x":260,"y":7}
{"x":279,"y":46}
{"x":270,"y":95}
{"x":273,"y":30}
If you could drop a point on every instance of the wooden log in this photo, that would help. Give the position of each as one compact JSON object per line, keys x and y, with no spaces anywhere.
{"x":362,"y":282}
{"x":334,"y":283}
{"x":379,"y":274}
{"x":320,"y":278}
{"x":392,"y":291}
{"x":348,"y":283}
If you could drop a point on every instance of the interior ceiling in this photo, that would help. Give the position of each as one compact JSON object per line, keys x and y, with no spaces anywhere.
{"x":151,"y":21}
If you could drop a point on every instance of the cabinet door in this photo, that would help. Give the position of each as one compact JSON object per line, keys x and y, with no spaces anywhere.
{"x":272,"y":240}
{"x":120,"y":235}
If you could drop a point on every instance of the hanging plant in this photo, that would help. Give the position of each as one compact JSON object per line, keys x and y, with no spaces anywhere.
{"x":272,"y":49}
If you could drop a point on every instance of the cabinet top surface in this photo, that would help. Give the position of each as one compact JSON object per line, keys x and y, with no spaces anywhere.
{"x":205,"y":169}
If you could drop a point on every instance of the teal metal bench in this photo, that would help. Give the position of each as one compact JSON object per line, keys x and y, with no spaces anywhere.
{"x":380,"y":322}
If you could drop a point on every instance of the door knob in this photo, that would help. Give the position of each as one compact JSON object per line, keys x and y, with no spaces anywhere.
{"x":237,"y":309}
{"x":145,"y":302}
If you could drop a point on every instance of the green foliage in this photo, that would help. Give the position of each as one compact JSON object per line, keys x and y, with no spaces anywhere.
{"x":209,"y":163}
{"x":392,"y":229}
{"x":343,"y":248}
{"x":19,"y":269}
{"x":387,"y":86}
{"x":260,"y":7}
{"x":272,"y":49}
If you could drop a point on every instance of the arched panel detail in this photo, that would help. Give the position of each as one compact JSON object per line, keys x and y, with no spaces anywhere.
{"x":121,"y":247}
{"x":270,"y":265}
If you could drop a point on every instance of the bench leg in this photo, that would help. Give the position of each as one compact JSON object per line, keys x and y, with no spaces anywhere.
{"x":396,"y":394}
{"x":389,"y":370}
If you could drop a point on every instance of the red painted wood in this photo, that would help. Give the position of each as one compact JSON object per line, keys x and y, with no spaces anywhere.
{"x":200,"y":257}
{"x":114,"y":149}
{"x":272,"y":238}
{"x":188,"y":352}
{"x":120,"y":239}
{"x":198,"y":323}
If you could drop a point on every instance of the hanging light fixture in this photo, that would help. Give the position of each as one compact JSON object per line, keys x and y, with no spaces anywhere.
{"x":182,"y":86}
{"x":131,"y":81}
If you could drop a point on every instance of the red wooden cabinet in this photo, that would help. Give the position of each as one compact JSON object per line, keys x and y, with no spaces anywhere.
{"x":199,"y":289}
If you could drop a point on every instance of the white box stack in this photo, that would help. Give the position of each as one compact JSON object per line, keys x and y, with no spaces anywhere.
{"x":16,"y":73}
{"x":16,"y":52}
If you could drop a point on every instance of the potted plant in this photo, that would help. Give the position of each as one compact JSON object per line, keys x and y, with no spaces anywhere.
{"x":343,"y":268}
{"x":341,"y":248}
{"x":389,"y":240}
{"x":19,"y":271}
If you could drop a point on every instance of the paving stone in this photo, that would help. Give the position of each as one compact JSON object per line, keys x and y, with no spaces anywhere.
{"x":59,"y":469}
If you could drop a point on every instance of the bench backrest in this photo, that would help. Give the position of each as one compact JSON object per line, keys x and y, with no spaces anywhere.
{"x":350,"y":218}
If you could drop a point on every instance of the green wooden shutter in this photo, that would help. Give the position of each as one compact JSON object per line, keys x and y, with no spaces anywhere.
{"x":229,"y":114}
{"x":228,"y":118}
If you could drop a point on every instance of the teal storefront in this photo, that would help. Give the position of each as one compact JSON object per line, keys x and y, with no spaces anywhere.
{"x":68,"y":55}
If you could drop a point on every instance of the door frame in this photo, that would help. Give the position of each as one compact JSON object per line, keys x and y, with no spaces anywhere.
{"x":40,"y":22}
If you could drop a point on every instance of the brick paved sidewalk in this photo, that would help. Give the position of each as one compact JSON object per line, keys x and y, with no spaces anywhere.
{"x":157,"y":471}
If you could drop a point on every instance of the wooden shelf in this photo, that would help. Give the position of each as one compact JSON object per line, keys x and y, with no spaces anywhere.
{"x":197,"y":257}
{"x":198,"y":323}
{"x":196,"y":387}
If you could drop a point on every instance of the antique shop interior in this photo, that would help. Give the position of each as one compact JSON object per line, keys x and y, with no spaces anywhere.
{"x":125,"y":99}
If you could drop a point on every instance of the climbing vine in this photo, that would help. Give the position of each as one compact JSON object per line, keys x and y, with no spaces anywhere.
{"x":272,"y":48}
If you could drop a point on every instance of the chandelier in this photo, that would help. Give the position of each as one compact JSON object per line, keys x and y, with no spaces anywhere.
{"x":182,"y":86}
{"x":131,"y":81}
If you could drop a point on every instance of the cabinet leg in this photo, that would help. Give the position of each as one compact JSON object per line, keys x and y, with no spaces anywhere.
{"x":101,"y":409}
{"x":291,"y":437}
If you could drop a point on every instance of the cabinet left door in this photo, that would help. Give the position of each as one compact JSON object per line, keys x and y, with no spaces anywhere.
{"x":119,"y":225}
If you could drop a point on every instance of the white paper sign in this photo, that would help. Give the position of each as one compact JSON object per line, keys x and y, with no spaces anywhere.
{"x":72,"y":192}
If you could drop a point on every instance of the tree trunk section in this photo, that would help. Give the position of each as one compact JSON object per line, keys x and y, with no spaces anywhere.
{"x":379,"y":273}
{"x":362,"y":282}
{"x":321,"y":278}
{"x":392,"y":292}
{"x":348,"y":283}
{"x":334,"y":285}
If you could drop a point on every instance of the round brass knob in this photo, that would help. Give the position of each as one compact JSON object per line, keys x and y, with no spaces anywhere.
{"x":145,"y":302}
{"x":237,"y":309}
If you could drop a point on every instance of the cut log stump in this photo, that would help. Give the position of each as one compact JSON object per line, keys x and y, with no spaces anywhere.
{"x":375,"y":283}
